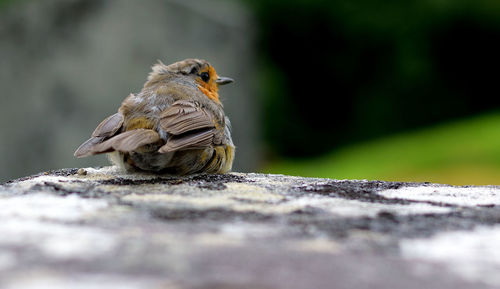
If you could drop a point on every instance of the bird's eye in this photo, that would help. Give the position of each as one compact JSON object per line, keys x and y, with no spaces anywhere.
{"x":205,"y":76}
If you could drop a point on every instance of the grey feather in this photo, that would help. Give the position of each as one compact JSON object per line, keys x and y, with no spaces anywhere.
{"x":128,"y":141}
{"x":85,"y":149}
{"x":196,"y":140}
{"x":109,"y":126}
{"x":184,"y":116}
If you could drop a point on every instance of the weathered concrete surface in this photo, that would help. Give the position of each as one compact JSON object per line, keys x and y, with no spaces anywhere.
{"x":99,"y":228}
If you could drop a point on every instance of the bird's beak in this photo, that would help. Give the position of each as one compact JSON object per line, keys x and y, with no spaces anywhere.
{"x":221,"y":80}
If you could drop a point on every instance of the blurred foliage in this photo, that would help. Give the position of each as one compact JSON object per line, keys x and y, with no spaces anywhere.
{"x":6,"y":2}
{"x":462,"y":153}
{"x":339,"y":72}
{"x":357,"y":81}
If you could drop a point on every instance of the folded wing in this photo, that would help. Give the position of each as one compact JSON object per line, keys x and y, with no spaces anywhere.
{"x":189,"y":126}
{"x":127,"y":141}
{"x":106,"y":129}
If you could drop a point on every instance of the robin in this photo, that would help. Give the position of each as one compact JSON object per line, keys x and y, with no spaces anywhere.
{"x":174,"y":125}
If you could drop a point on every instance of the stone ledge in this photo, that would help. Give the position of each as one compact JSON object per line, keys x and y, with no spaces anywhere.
{"x":103,"y":228}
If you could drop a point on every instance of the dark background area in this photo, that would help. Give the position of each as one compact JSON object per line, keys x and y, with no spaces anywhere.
{"x":346,"y":71}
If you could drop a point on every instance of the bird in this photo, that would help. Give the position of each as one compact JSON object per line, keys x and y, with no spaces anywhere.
{"x":175,"y":125}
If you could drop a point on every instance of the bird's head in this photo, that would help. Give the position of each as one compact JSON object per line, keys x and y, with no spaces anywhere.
{"x":199,"y":71}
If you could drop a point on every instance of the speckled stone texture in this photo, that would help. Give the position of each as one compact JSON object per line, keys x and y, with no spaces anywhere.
{"x":101,"y":228}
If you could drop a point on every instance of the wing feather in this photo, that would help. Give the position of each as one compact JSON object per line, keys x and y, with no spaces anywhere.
{"x":184,"y":116}
{"x":195,"y":140}
{"x":85,"y":149}
{"x":189,"y":125}
{"x":128,"y":141}
{"x":104,"y":130}
{"x":109,"y":126}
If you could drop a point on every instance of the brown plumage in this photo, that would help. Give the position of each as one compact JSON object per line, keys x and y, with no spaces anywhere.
{"x":175,"y":125}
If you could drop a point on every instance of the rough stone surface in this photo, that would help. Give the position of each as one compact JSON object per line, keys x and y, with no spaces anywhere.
{"x":100,"y":228}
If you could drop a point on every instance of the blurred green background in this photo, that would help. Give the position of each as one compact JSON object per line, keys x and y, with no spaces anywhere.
{"x":392,"y":90}
{"x":389,"y":90}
